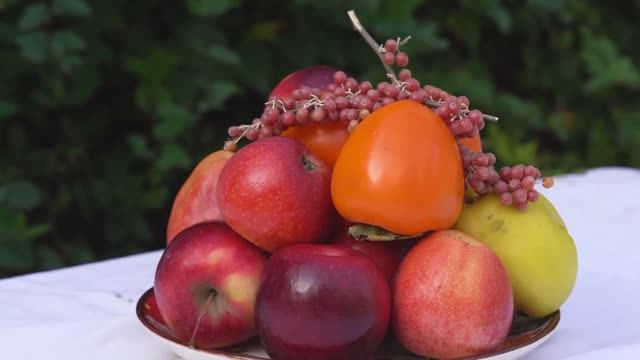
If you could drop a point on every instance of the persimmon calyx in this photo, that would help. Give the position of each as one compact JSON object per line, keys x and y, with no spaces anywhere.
{"x":375,"y":233}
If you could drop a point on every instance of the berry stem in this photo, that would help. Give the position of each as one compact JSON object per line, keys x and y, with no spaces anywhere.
{"x":371,"y":42}
{"x":436,"y":104}
{"x":490,"y":117}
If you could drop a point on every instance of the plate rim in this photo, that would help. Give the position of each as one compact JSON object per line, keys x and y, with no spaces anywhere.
{"x":547,"y":327}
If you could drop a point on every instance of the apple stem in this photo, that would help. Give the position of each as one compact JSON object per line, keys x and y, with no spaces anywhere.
{"x":372,"y":43}
{"x":307,"y":163}
{"x":203,"y":312}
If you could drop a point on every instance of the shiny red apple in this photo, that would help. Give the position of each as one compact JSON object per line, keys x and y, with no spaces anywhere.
{"x":196,"y":199}
{"x":274,"y":192}
{"x":319,"y":302}
{"x":206,"y":284}
{"x":452,"y":297}
{"x":316,"y":76}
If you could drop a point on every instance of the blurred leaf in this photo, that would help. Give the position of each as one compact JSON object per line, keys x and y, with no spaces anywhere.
{"x":173,"y":156}
{"x":17,"y":255}
{"x":8,"y":31}
{"x":82,"y":85}
{"x":627,"y":121}
{"x":154,"y":67}
{"x":493,"y":10}
{"x":33,"y":46}
{"x":501,"y":18}
{"x":549,"y":7}
{"x":49,"y":259}
{"x":399,"y":10}
{"x":34,"y":15}
{"x":174,"y":121}
{"x":217,"y":94}
{"x":515,"y":109}
{"x":210,"y":8}
{"x":71,"y":7}
{"x":465,"y":30}
{"x":223,"y":55}
{"x":426,"y":38}
{"x":66,"y":41}
{"x":63,"y":46}
{"x":78,"y":251}
{"x":22,"y":195}
{"x":6,"y":109}
{"x":606,"y":65}
{"x":37,"y":230}
{"x":156,"y":197}
{"x":600,"y":150}
{"x":560,"y":122}
{"x":265,"y":31}
{"x":139,"y":147}
{"x":255,"y":67}
{"x":508,"y":149}
{"x":16,"y":240}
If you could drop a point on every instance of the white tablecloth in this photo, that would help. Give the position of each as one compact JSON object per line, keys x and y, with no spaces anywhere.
{"x":88,"y":312}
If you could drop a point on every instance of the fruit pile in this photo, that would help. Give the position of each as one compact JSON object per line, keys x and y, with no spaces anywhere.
{"x":356,"y":213}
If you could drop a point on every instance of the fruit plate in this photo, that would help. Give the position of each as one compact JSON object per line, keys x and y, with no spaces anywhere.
{"x":526,"y":334}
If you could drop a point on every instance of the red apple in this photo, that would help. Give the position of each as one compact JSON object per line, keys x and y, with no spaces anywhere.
{"x":316,"y":76}
{"x":385,"y":254}
{"x":324,"y":139}
{"x":320,"y":301}
{"x":452,"y":297}
{"x":206,"y":284}
{"x":196,"y":199}
{"x":274,"y":192}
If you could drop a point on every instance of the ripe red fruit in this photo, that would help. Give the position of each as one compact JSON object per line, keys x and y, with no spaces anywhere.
{"x":452,"y":297}
{"x":274,"y":192}
{"x":319,"y":302}
{"x":209,"y":267}
{"x":196,"y":200}
{"x":317,"y":76}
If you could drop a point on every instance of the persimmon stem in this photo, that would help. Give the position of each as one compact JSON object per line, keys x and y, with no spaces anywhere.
{"x":371,"y":42}
{"x":203,"y":312}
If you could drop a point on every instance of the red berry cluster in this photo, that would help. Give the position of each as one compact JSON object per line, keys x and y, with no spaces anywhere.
{"x":479,"y":171}
{"x":350,"y":101}
{"x":516,"y":185}
{"x":454,"y":110}
{"x":391,"y":54}
{"x":513,"y":185}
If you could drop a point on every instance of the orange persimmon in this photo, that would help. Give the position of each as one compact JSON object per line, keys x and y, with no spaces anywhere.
{"x":324,"y":139}
{"x":474,"y":144}
{"x":400,"y":170}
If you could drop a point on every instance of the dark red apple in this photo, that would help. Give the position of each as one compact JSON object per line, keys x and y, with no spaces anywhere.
{"x":274,"y":192}
{"x":196,"y":200}
{"x":206,"y":284}
{"x":385,"y":254}
{"x":452,"y":297}
{"x":321,"y":302}
{"x":316,"y":76}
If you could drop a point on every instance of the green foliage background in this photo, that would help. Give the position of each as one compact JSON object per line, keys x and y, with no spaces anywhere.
{"x":105,"y":106}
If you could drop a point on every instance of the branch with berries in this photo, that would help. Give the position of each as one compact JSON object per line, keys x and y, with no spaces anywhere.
{"x":348,"y":101}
